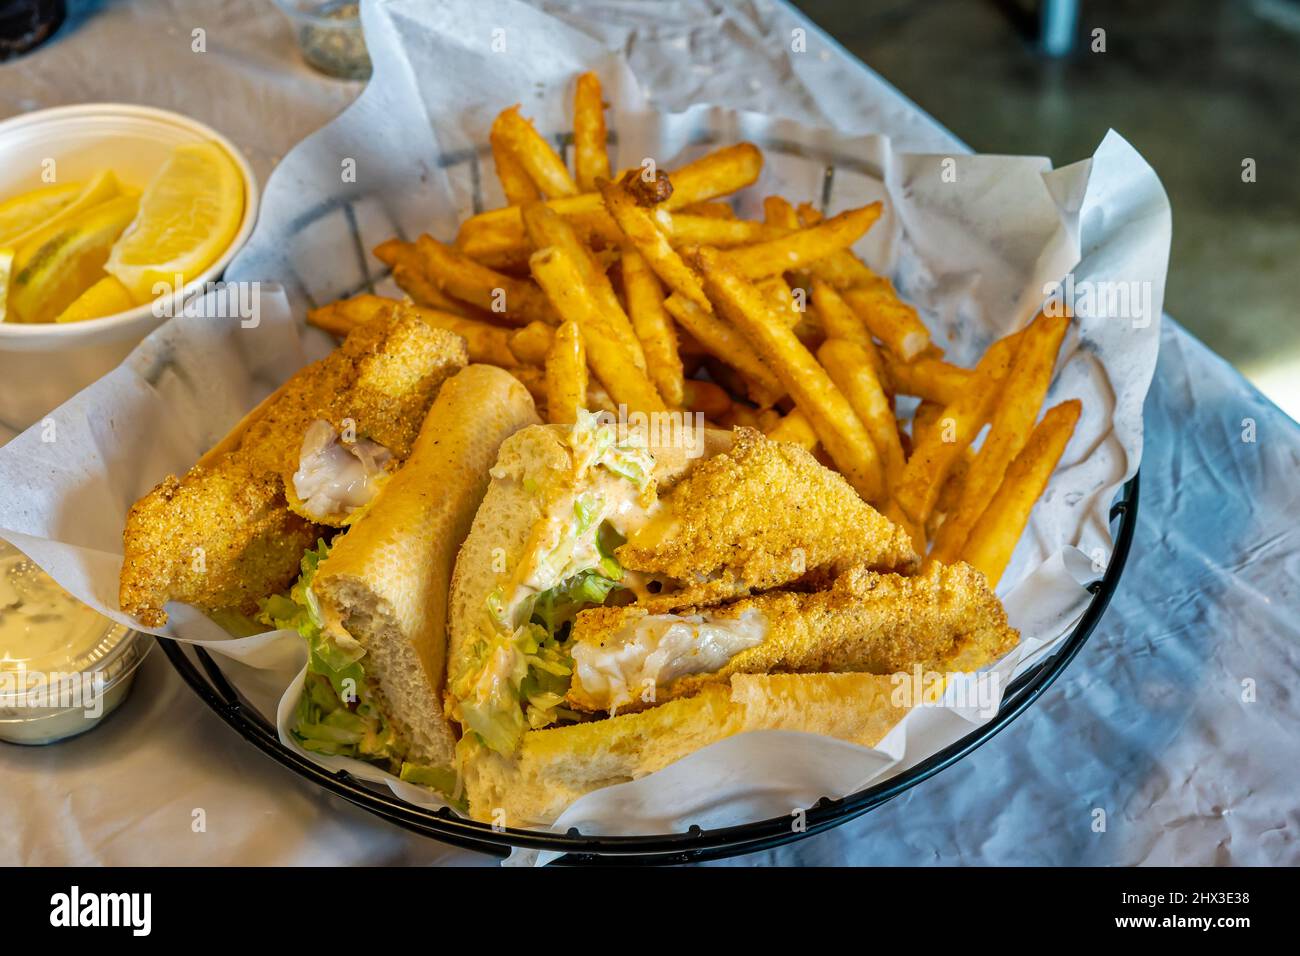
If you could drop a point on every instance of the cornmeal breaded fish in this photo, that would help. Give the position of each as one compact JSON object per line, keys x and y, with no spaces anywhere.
{"x":947,"y":619}
{"x":224,"y":536}
{"x":758,"y":516}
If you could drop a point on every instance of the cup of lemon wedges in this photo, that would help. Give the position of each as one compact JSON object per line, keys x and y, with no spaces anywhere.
{"x":71,"y":252}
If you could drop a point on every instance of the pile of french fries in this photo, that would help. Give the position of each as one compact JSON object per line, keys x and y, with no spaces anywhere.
{"x":645,"y":290}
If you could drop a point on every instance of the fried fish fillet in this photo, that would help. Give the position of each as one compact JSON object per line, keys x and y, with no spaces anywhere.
{"x":945,"y":620}
{"x":223,"y":536}
{"x":760,"y":515}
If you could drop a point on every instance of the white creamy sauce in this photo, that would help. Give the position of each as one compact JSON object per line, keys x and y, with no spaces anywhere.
{"x":42,"y":627}
{"x":49,"y":647}
{"x":334,"y":477}
{"x":557,"y":551}
{"x":657,"y":649}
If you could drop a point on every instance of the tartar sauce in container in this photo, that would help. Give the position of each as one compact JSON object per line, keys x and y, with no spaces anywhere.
{"x":63,"y":666}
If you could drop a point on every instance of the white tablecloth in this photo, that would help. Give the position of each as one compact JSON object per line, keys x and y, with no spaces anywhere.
{"x":1150,"y":724}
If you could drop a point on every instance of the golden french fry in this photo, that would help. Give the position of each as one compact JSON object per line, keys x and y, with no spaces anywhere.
{"x":653,"y":326}
{"x":598,"y":399}
{"x":729,"y":345}
{"x":850,"y":369}
{"x":925,"y":472}
{"x":711,"y":210}
{"x":562,"y":279}
{"x":706,"y":397}
{"x":566,"y":375}
{"x":925,"y":419}
{"x":841,"y":433}
{"x":779,"y":297}
{"x":931,"y":379}
{"x":498,"y":238}
{"x":590,"y":157}
{"x":951,"y":492}
{"x":768,"y":420}
{"x":841,"y":269}
{"x":531,"y":343}
{"x":796,"y":429}
{"x":1013,"y":419}
{"x":517,"y":301}
{"x":533,"y":379}
{"x":841,"y":322}
{"x":993,"y":538}
{"x":342,"y":316}
{"x":413,"y":281}
{"x":778,"y":212}
{"x":889,"y":318}
{"x":639,"y":227}
{"x":739,"y":414}
{"x":915,"y":531}
{"x":542,"y":163}
{"x":488,"y":344}
{"x":719,"y":173}
{"x":684,"y":230}
{"x":404,"y":259}
{"x":546,"y":229}
{"x":803,"y":247}
{"x":517,"y":185}
{"x":332,"y":319}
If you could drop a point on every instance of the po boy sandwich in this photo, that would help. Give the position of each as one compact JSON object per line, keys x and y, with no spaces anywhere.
{"x":233,"y":530}
{"x":373,"y":604}
{"x":615,"y":608}
{"x":573,"y":520}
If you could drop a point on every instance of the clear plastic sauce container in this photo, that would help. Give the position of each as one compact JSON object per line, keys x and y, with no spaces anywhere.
{"x":63,"y":666}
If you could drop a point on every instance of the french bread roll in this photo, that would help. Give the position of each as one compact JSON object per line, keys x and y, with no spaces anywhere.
{"x":385,"y":581}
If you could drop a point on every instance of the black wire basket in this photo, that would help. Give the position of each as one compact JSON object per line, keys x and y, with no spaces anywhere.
{"x":204,"y":676}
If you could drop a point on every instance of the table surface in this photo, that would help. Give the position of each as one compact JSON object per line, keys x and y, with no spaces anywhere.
{"x":1175,"y":727}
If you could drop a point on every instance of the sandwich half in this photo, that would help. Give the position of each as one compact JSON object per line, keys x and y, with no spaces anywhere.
{"x":233,"y":529}
{"x":374,"y":608}
{"x":573,"y":520}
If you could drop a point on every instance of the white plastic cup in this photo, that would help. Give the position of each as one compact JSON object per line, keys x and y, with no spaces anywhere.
{"x":42,"y":365}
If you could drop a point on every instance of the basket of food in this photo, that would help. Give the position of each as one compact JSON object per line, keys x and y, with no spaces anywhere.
{"x":641,"y":485}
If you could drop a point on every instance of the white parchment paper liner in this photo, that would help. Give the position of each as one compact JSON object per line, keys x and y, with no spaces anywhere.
{"x":970,"y":240}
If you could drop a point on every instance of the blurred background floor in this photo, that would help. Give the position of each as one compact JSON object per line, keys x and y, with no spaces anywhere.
{"x":1197,"y":86}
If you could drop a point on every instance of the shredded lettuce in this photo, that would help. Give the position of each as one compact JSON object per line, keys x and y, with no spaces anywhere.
{"x":334,"y":715}
{"x":442,"y":779}
{"x":596,"y":443}
{"x":521,"y":669}
{"x":521,"y":680}
{"x":557,"y":607}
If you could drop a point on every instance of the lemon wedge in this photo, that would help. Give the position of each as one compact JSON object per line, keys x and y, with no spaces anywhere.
{"x":32,"y":209}
{"x":6,"y":270}
{"x":99,"y":190}
{"x":106,"y":297}
{"x":188,"y":216}
{"x":58,"y":264}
